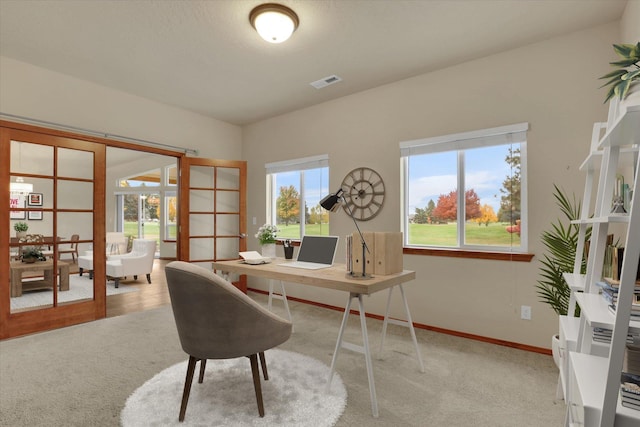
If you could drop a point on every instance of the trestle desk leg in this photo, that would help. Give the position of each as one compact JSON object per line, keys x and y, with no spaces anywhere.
{"x":408,"y":323}
{"x":364,"y":349}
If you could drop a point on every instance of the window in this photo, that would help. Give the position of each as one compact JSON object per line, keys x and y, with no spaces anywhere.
{"x":294,"y":191}
{"x":146,"y":204}
{"x":466,"y":191}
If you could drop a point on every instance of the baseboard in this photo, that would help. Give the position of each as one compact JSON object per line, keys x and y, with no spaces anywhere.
{"x":495,"y":341}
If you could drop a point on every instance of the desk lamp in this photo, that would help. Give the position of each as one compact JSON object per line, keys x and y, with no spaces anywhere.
{"x":332,"y":203}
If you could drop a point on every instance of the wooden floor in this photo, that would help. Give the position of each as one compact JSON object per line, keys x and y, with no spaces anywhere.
{"x":149,"y":296}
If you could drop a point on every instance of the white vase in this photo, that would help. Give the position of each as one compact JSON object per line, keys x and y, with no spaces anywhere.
{"x":21,"y":234}
{"x":555,"y":349}
{"x":269,"y":250}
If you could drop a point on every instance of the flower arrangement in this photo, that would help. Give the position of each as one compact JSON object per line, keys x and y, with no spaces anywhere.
{"x":20,"y":226}
{"x":32,"y":253}
{"x":267,"y":234}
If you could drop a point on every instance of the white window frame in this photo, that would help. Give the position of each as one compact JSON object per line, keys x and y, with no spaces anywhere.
{"x":293,"y":165}
{"x":459,"y":142}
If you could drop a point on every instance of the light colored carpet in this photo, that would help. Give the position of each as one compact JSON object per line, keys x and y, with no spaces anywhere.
{"x":79,"y":288}
{"x":82,"y":375}
{"x":294,"y":395}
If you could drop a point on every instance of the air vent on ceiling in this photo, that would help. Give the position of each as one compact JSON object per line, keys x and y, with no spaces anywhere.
{"x":319,"y":84}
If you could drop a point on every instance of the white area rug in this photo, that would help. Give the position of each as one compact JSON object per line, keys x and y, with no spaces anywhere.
{"x":294,"y":395}
{"x":79,"y":288}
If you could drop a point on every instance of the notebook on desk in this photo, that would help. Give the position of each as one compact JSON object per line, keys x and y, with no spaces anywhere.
{"x":315,"y":252}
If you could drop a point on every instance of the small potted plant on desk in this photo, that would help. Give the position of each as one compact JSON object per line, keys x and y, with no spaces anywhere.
{"x":21,"y":229}
{"x":32,"y":254}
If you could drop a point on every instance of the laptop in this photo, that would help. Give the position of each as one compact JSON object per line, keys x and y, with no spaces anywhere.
{"x":315,"y":252}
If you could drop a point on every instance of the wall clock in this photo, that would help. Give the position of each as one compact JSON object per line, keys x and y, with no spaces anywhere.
{"x":364,"y":193}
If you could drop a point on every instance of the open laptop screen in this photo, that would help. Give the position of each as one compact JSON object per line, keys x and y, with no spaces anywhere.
{"x":318,"y":249}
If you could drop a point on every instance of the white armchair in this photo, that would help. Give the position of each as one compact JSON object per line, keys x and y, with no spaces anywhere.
{"x":138,"y":261}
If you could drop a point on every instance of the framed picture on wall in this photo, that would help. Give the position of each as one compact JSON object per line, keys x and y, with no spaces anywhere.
{"x":35,"y":215}
{"x":17,"y":201}
{"x":35,"y":199}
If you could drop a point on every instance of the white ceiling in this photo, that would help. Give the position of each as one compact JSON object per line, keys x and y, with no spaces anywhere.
{"x":204,"y":56}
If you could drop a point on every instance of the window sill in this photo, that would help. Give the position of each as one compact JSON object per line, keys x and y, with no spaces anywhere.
{"x":457,"y":253}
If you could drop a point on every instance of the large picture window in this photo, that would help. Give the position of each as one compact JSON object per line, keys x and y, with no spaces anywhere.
{"x":466,"y":191}
{"x":294,"y":191}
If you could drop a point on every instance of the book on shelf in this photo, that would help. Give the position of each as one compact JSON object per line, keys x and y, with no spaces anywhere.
{"x":635,"y":312}
{"x":604,"y":335}
{"x":630,"y":390}
{"x":614,"y":283}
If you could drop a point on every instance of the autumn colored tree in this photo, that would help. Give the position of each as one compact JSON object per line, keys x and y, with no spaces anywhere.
{"x":318,"y":215}
{"x":173,"y":208}
{"x":487,"y":215}
{"x":447,"y":206}
{"x":288,"y":204}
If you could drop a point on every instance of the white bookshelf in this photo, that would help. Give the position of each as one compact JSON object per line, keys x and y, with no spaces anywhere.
{"x":592,"y":379}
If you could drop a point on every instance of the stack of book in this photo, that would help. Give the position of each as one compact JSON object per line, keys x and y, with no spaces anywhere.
{"x":604,"y":335}
{"x":630,"y":390}
{"x":609,"y":291}
{"x":630,"y":380}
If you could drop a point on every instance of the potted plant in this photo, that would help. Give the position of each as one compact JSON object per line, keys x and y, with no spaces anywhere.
{"x":32,"y":254}
{"x":623,"y":81}
{"x":21,"y":228}
{"x":266,"y":235}
{"x":561,"y":242}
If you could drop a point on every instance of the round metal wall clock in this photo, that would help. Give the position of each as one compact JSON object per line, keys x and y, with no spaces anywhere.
{"x":364,"y":192}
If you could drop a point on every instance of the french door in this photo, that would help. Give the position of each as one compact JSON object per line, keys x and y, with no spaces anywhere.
{"x":60,"y":194}
{"x":212,"y":211}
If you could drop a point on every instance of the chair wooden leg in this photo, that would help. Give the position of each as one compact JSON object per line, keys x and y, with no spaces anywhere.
{"x":256,"y":383}
{"x":187,"y":387}
{"x":117,"y":280}
{"x":263,"y":364}
{"x":149,"y":278}
{"x":203,"y":364}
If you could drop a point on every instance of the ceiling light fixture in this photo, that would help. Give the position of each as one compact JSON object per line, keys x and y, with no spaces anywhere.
{"x":274,"y":22}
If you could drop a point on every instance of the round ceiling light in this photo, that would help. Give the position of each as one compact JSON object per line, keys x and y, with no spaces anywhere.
{"x":274,"y":22}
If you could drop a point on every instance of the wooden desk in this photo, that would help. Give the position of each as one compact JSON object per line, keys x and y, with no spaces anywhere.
{"x":18,"y":267}
{"x":336,"y":278}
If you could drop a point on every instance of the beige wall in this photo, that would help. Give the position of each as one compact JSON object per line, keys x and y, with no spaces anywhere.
{"x":552,"y":85}
{"x":34,"y":92}
{"x":630,"y":23}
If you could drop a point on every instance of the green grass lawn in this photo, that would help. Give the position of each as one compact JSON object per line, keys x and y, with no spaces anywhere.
{"x":445,"y":235}
{"x":151,"y":230}
{"x":428,"y":234}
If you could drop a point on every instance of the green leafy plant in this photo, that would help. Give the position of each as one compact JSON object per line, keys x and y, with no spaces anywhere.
{"x":20,"y":226}
{"x":30,"y":252}
{"x":561,"y":242}
{"x":267,"y":234}
{"x":627,"y":73}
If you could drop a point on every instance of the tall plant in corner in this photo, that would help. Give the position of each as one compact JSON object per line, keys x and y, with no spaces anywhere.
{"x":561,"y":242}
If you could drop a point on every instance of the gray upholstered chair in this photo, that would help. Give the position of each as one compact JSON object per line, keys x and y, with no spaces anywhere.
{"x":215,"y":320}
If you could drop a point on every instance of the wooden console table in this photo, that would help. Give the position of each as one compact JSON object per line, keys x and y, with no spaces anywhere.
{"x":19,"y":267}
{"x":336,"y":278}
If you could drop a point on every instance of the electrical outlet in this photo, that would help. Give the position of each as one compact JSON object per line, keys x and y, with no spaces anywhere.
{"x":525,"y":312}
{"x":255,"y":221}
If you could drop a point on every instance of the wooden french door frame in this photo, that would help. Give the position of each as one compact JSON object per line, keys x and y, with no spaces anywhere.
{"x":187,"y":234}
{"x":20,"y":323}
